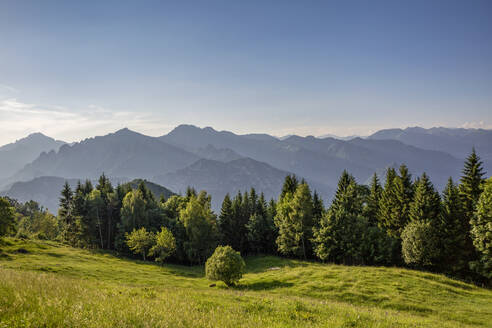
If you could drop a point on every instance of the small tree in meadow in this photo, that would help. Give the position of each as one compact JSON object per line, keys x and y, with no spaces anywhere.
{"x":140,"y":241}
{"x":165,"y":245}
{"x":225,"y":265}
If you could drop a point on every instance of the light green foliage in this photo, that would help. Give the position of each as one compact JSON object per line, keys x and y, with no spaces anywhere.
{"x":200,"y":226}
{"x":420,"y":244}
{"x":165,"y":245}
{"x":294,"y":221}
{"x":225,"y":265}
{"x":7,"y":217}
{"x":57,"y":286}
{"x":140,"y":241}
{"x":481,"y":231}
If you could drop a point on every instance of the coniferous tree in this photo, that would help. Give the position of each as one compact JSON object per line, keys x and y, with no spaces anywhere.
{"x":426,"y":202}
{"x":318,"y":209}
{"x":453,"y":231}
{"x":294,"y":221}
{"x":371,"y":208}
{"x":66,"y":215}
{"x":471,"y":183}
{"x":7,"y":217}
{"x":225,"y":223}
{"x":481,"y":232}
{"x":470,"y":188}
{"x":289,"y":186}
{"x":395,"y":202}
{"x":340,"y":235}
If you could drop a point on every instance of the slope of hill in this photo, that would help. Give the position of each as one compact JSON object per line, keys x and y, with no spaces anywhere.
{"x":46,"y":190}
{"x":44,"y":284}
{"x":15,"y":155}
{"x":457,"y":142}
{"x":121,"y":154}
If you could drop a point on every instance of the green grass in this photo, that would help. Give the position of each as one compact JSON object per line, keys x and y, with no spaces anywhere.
{"x":45,"y":284}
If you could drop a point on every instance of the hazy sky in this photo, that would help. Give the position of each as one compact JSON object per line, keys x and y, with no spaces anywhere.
{"x":73,"y":69}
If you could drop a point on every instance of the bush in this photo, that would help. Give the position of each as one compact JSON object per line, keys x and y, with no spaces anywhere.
{"x":225,"y":265}
{"x":420,"y":244}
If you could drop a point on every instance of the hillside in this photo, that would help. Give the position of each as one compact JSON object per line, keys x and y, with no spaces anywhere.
{"x":15,"y":155}
{"x":124,"y":154}
{"x":48,"y":284}
{"x":457,"y":142}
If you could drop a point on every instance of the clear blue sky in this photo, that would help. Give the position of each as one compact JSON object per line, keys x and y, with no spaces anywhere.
{"x":74,"y":69}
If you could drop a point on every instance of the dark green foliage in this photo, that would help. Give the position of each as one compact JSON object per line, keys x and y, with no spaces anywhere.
{"x":453,"y":231}
{"x":394,"y":206}
{"x":426,"y":202}
{"x":371,"y":207}
{"x":340,"y":235}
{"x":471,"y":183}
{"x":225,"y":265}
{"x":290,"y":185}
{"x":7,"y":218}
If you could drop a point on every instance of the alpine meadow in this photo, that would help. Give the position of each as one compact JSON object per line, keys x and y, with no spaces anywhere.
{"x":245,"y":164}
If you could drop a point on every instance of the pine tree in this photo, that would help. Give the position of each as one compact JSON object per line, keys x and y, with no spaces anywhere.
{"x":426,"y":202}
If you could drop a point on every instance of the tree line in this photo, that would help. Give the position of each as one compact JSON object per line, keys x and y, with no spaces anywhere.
{"x":401,"y":222}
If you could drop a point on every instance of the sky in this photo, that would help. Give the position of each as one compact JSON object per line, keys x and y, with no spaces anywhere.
{"x":75,"y":69}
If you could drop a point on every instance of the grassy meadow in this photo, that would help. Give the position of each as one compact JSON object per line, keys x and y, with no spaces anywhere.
{"x":46,"y":284}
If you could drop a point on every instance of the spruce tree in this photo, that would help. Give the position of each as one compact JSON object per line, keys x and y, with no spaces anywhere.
{"x":339,"y":237}
{"x":395,"y":202}
{"x":318,"y":209}
{"x":65,"y":215}
{"x":453,"y":231}
{"x":371,"y":208}
{"x":294,"y":221}
{"x":289,"y":186}
{"x":481,"y":232}
{"x":471,"y":183}
{"x":7,"y":217}
{"x":225,"y":223}
{"x":426,"y":202}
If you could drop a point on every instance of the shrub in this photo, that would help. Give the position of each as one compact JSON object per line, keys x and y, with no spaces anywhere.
{"x":420,"y":244}
{"x":225,"y":265}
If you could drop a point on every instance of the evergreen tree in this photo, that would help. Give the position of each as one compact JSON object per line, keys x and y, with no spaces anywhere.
{"x":471,"y":183}
{"x":371,"y":208}
{"x":318,"y":209}
{"x":65,"y":215}
{"x":7,"y":217}
{"x":289,"y":186}
{"x":395,"y":202}
{"x":339,"y":237}
{"x":426,"y":202}
{"x":481,"y":232}
{"x":470,"y":188}
{"x":294,"y":221}
{"x":225,"y":223}
{"x":453,"y":233}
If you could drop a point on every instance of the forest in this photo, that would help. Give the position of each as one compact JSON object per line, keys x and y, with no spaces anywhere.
{"x":401,"y":221}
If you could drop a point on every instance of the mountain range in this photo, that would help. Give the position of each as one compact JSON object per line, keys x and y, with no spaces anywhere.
{"x":223,"y":162}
